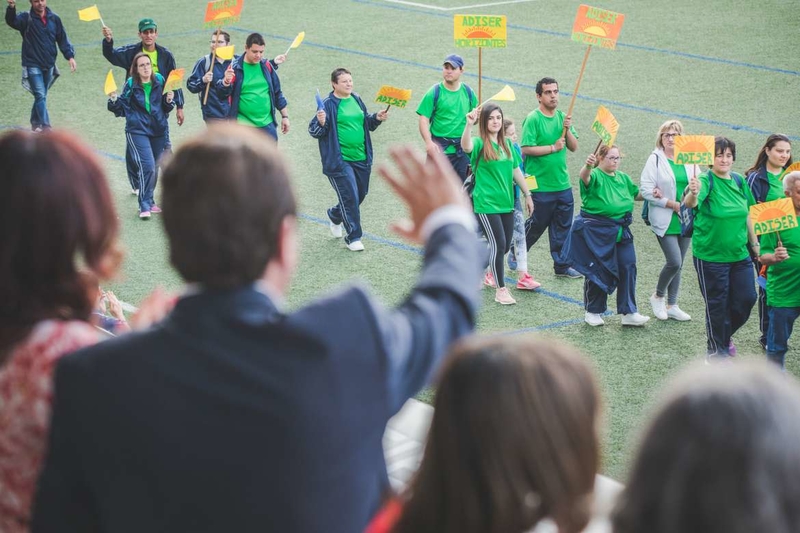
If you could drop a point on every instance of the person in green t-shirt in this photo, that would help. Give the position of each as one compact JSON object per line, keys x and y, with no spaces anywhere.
{"x":662,"y":184}
{"x":607,"y":197}
{"x":495,"y":164}
{"x":764,"y":180}
{"x":722,"y":231}
{"x":441,"y":115}
{"x":547,"y":134}
{"x":342,"y":126}
{"x":780,"y":252}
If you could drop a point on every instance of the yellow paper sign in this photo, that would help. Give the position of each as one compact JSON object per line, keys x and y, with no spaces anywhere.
{"x":605,"y":125}
{"x":769,"y":217}
{"x":694,"y":150}
{"x":89,"y":14}
{"x":532,"y":183}
{"x":597,"y":27}
{"x":110,"y":85}
{"x":174,"y":80}
{"x":225,"y":52}
{"x":388,"y":95}
{"x":791,"y":168}
{"x":479,"y":31}
{"x":298,"y":40}
{"x":506,"y":94}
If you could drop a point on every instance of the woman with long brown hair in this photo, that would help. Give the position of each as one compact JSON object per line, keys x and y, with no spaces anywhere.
{"x":50,"y":264}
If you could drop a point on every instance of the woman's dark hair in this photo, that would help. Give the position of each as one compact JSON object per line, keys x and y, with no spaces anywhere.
{"x":723,"y":143}
{"x":137,"y":79}
{"x":488,"y":153}
{"x":720,"y":456}
{"x":761,"y":159}
{"x":51,"y":259}
{"x":338,"y":72}
{"x":513,"y":441}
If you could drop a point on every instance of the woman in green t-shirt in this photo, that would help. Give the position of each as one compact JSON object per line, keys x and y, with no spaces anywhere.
{"x":764,"y":180}
{"x":495,"y":165}
{"x":607,"y":197}
{"x":722,"y":230}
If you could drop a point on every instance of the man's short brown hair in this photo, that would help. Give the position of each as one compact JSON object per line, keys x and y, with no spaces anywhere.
{"x":225,"y":195}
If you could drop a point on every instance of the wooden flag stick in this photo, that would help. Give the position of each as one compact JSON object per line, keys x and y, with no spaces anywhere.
{"x":577,"y":86}
{"x":596,"y":148}
{"x":213,"y":62}
{"x":480,"y":71}
{"x":388,"y":106}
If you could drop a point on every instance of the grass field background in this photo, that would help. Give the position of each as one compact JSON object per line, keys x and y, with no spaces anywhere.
{"x":723,"y":67}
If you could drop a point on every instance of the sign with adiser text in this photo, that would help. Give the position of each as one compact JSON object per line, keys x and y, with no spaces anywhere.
{"x":479,"y":31}
{"x":597,"y":27}
{"x":388,"y":95}
{"x":769,"y":217}
{"x":694,"y":150}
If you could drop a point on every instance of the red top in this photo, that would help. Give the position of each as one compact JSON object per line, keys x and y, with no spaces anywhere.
{"x":25,"y":397}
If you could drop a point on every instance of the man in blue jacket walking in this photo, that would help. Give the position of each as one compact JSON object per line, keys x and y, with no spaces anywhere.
{"x":41,"y":31}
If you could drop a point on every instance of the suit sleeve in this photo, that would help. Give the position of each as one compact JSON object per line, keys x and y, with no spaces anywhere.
{"x":440,"y":309}
{"x":195,"y":82}
{"x":63,"y":501}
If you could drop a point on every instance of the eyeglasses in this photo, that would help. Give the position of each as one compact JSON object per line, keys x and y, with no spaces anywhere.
{"x":218,"y":42}
{"x":670,"y":135}
{"x":614,"y":158}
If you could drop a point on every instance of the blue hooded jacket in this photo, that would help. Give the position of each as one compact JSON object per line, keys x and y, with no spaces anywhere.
{"x":328,"y":136}
{"x":234,"y":90}
{"x":39,"y":40}
{"x":131,"y":105}
{"x":123,"y":57}
{"x":215,"y":107}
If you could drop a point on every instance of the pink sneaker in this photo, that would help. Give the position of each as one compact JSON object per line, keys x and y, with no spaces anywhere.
{"x":502,"y":296}
{"x":155,"y":209}
{"x":527,"y":283}
{"x":488,"y":280}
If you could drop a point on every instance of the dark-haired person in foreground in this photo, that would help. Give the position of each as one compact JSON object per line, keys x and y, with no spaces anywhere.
{"x":231,"y":414}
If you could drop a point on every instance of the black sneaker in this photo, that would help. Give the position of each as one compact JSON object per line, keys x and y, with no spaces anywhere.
{"x":569,"y":273}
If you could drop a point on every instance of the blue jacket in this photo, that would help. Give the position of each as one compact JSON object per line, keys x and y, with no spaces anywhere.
{"x":234,"y":90}
{"x":131,"y":105}
{"x":216,"y":107}
{"x":123,"y":57}
{"x":591,"y":247}
{"x":758,"y":181}
{"x":328,"y":135}
{"x":39,"y":40}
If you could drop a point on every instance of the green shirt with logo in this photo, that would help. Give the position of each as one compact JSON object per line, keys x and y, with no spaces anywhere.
{"x":451,"y":112}
{"x":494,"y":180}
{"x":350,"y":128}
{"x":550,"y":169}
{"x":783,"y":279}
{"x":153,"y":59}
{"x":255,"y":100}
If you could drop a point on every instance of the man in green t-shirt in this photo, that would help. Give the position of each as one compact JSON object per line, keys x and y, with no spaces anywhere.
{"x":547,"y":134}
{"x":781,"y":253}
{"x":442,"y":115}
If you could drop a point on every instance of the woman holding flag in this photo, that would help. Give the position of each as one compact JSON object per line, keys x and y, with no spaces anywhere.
{"x":146,"y":109}
{"x":495,"y":165}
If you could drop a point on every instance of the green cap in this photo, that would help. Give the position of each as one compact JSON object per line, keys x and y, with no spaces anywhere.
{"x":147,"y":24}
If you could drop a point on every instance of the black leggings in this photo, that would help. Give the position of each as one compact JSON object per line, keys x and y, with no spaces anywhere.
{"x":499,"y":229}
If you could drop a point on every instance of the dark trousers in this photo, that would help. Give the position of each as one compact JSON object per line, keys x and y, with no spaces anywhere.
{"x":552,"y":211}
{"x":763,"y":316}
{"x":144,"y":153}
{"x":596,"y":299}
{"x":460,"y":163}
{"x":351,"y":187}
{"x":498,"y":228}
{"x":729,"y":293}
{"x":781,"y":323}
{"x":270,"y":130}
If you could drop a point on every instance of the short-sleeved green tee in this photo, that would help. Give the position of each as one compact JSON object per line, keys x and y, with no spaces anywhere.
{"x":783,"y":279}
{"x":148,"y":89}
{"x":153,"y":59}
{"x":607,"y":195}
{"x":775,"y":191}
{"x":551,"y":169}
{"x":494,"y":180}
{"x":681,"y":181}
{"x":350,"y":128}
{"x":451,"y":112}
{"x":720,"y":225}
{"x":255,"y":100}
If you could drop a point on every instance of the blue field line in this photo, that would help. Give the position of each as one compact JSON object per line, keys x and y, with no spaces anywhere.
{"x":543,"y":327}
{"x":619,"y":44}
{"x":532,"y":87}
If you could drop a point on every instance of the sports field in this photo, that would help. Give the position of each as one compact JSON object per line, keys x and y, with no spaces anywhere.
{"x":724,"y":67}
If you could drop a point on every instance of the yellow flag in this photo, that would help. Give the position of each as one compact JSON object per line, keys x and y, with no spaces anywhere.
{"x":505,"y":95}
{"x":111,"y":85}
{"x":225,"y":52}
{"x":298,"y":40}
{"x":90,"y":13}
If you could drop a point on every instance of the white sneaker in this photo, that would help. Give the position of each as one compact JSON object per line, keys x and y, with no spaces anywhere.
{"x":356,"y":246}
{"x":634,"y":319}
{"x":676,"y":313}
{"x":594,"y":319}
{"x":135,"y":192}
{"x":659,"y":307}
{"x":336,"y":229}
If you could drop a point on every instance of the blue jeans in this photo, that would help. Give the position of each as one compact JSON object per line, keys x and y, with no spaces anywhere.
{"x":781,"y":322}
{"x":40,"y":81}
{"x":351,"y":187}
{"x":552,"y":211}
{"x":270,"y":130}
{"x":144,"y":154}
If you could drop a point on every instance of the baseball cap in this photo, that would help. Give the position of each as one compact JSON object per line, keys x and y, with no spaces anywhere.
{"x":147,"y":24}
{"x":454,"y":59}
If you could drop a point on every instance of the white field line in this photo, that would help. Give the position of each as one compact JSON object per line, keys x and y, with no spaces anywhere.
{"x":426,"y":6}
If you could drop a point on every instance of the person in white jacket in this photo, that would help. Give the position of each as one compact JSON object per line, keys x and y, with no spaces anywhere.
{"x":662,"y":185}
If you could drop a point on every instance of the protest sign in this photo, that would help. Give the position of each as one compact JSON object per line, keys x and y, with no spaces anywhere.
{"x":222,"y":12}
{"x":597,"y":27}
{"x":174,"y":80}
{"x":694,"y":150}
{"x":605,"y":125}
{"x":392,"y":96}
{"x":775,"y":216}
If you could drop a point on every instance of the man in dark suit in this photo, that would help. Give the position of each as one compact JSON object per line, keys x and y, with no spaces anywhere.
{"x":230,"y":414}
